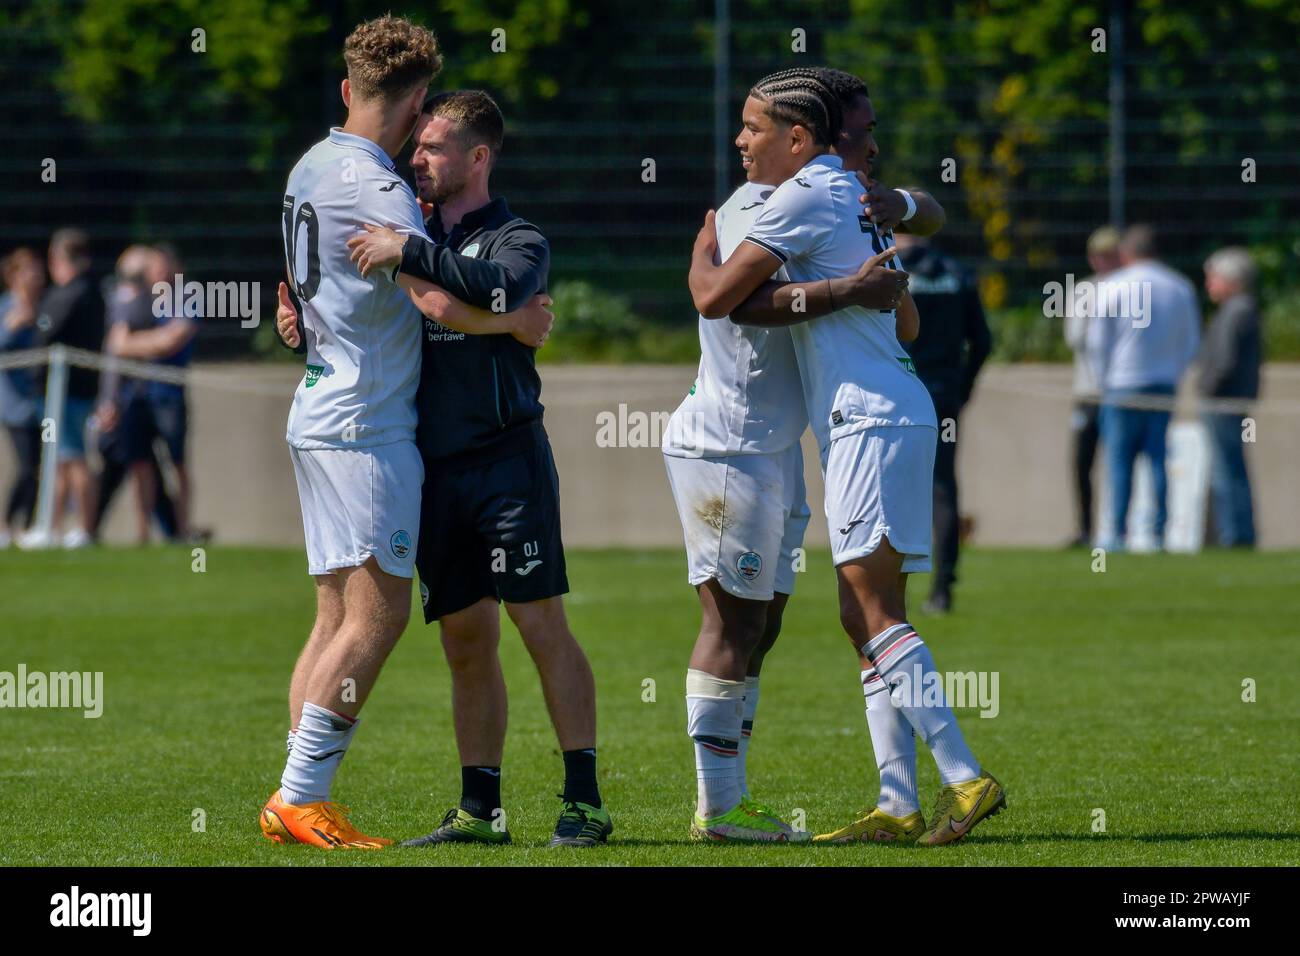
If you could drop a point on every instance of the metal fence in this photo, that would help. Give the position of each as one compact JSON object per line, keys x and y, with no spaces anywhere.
{"x":574,"y":162}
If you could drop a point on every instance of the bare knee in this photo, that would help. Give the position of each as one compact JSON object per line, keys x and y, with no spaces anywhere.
{"x":871,"y":594}
{"x":853,"y":618}
{"x":773,"y":620}
{"x":466,"y":652}
{"x":542,"y":625}
{"x":329,"y":605}
{"x":393,"y":607}
{"x":470,"y":637}
{"x":740,"y":625}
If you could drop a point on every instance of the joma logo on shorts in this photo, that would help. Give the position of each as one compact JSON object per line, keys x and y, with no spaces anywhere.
{"x":907,"y":363}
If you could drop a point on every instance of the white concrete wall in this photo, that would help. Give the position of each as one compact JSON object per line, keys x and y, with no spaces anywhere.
{"x":1014,"y":458}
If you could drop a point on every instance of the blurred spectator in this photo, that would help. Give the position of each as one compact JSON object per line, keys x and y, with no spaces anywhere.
{"x":122,"y":413}
{"x":162,"y":412}
{"x":24,"y":280}
{"x":953,"y":343}
{"x":1103,"y":259}
{"x":1146,"y":334}
{"x":1229,"y":365}
{"x":72,"y":314}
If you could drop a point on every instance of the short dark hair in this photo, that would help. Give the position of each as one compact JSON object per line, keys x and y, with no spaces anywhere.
{"x":71,"y":243}
{"x":799,"y":97}
{"x":474,"y":113}
{"x":845,"y":86}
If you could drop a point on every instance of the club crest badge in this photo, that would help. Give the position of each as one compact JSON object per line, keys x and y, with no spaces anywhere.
{"x":400,"y":543}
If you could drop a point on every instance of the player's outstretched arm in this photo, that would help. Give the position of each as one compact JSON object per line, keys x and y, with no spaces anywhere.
{"x":886,"y":208}
{"x":873,"y":286}
{"x":529,"y":324}
{"x":929,"y":217}
{"x":512,"y":276}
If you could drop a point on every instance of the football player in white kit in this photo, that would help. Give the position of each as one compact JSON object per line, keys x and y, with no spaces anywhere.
{"x":736,"y":471}
{"x":351,"y":429}
{"x":876,"y":431}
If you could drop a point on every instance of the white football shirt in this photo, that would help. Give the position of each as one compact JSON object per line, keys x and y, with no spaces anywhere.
{"x":362,"y":335}
{"x":855,"y":374}
{"x":747,"y":399}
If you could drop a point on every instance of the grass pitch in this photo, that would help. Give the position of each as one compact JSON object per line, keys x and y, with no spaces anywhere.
{"x":1120,"y":693}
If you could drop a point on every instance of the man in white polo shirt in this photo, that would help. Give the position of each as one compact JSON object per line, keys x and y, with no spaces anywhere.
{"x":1147,"y":333}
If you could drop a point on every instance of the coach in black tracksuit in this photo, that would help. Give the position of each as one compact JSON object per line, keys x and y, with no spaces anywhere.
{"x":952,"y":346}
{"x":490,"y":517}
{"x":490,"y":508}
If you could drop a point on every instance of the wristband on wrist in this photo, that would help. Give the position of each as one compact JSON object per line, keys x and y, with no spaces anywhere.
{"x":911,"y":204}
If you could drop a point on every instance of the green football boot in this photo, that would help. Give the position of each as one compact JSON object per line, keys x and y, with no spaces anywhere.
{"x":792,"y":835}
{"x":581,"y":824}
{"x":743,"y":823}
{"x":460,"y":826}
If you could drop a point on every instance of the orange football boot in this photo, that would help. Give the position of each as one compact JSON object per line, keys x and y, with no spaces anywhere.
{"x":323,"y":824}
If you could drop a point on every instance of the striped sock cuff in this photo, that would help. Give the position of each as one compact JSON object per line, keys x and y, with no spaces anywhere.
{"x":890,"y":646}
{"x":872,"y":683}
{"x":718,"y":745}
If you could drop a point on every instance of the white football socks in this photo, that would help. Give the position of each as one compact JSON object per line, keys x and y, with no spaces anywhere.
{"x":714,"y":713}
{"x":318,"y":748}
{"x":288,"y":744}
{"x":894,"y":744}
{"x":905,"y":663}
{"x":746,"y":730}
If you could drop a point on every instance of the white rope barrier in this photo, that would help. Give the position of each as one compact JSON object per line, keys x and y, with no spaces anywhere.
{"x":60,"y":358}
{"x":1168,"y":403}
{"x":130,"y":368}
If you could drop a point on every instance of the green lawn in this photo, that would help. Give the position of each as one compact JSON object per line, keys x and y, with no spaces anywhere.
{"x":1119,"y":691}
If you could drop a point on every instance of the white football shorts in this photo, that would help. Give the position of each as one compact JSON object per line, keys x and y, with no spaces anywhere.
{"x":880,"y":483}
{"x":742,"y":517}
{"x":359,"y":502}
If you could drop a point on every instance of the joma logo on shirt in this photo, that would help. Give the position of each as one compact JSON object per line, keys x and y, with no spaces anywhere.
{"x":907,"y":363}
{"x":314,"y":374}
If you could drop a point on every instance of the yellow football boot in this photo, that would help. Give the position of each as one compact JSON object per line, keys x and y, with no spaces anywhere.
{"x":877,"y":826}
{"x":961,"y":806}
{"x":323,"y":824}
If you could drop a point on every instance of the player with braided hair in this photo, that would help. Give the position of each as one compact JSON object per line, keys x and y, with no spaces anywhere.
{"x":800,"y":96}
{"x":736,"y":471}
{"x":876,"y":430}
